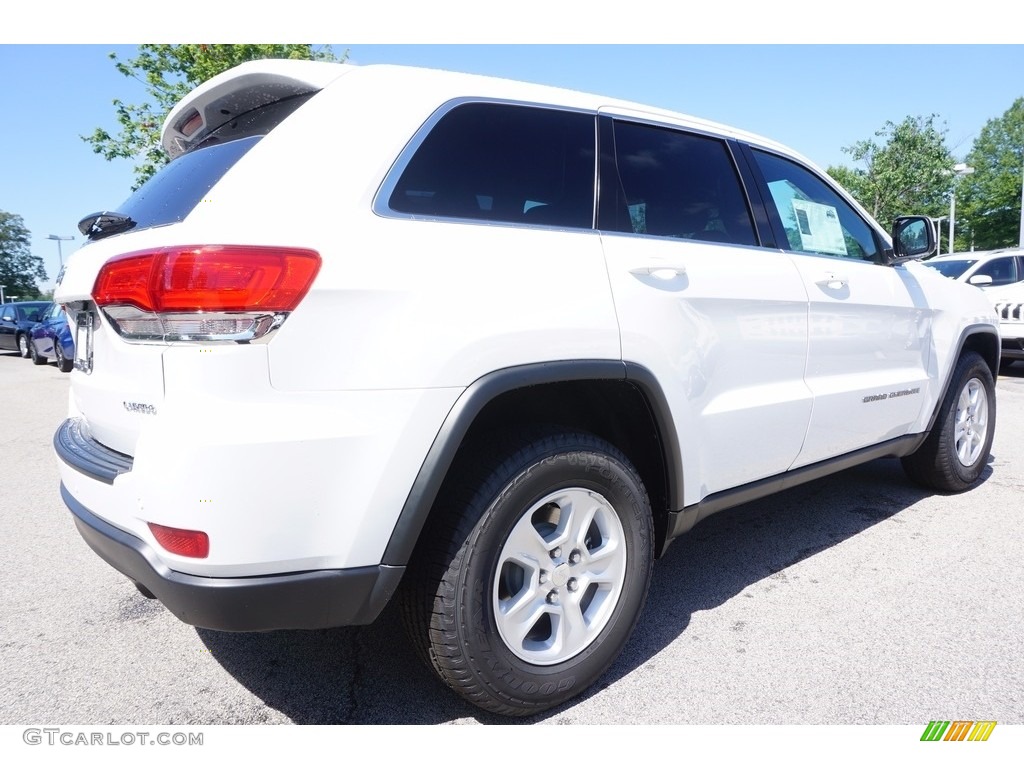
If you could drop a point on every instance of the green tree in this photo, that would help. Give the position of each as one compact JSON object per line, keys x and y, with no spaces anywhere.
{"x":19,"y":269}
{"x":908,"y":172}
{"x":988,"y":201}
{"x":169,"y":72}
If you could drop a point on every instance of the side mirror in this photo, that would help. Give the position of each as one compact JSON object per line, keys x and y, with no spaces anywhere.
{"x":912,"y":238}
{"x":980,"y":280}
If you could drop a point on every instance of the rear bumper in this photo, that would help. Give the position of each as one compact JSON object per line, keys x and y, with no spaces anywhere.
{"x":308,"y":600}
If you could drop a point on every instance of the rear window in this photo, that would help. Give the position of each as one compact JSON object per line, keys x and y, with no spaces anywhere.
{"x":170,"y":195}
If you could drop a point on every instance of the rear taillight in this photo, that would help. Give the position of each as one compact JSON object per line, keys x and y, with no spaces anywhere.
{"x":203,"y":293}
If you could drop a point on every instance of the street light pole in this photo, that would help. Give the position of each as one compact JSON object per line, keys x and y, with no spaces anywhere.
{"x":1022,"y":212}
{"x":960,"y":169}
{"x":937,"y":221}
{"x":2,"y":301}
{"x":58,"y":238}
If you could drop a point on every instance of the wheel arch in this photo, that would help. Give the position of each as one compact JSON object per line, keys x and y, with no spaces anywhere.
{"x":615,"y":400}
{"x":975,"y":338}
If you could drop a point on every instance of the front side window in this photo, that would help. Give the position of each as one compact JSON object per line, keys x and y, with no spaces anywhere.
{"x":503,"y":162}
{"x":678,"y":184}
{"x":814,"y":217}
{"x":1003,"y":271}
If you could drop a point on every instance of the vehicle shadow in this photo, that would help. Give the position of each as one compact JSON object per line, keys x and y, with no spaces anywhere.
{"x":1012,"y":369}
{"x":370,"y":675}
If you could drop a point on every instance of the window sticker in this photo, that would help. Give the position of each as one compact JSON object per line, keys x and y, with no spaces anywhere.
{"x":820,"y":230}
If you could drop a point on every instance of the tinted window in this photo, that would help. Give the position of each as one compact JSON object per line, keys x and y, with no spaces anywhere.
{"x":171,"y":194}
{"x":1003,"y":270}
{"x":501,"y":162}
{"x":951,"y":268}
{"x":31,"y":313}
{"x":681,"y":185}
{"x":814,"y":217}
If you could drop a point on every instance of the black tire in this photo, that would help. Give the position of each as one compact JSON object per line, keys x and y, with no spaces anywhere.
{"x":36,"y":357}
{"x":63,"y":363}
{"x":954,"y":454}
{"x":24,"y":345}
{"x":556,"y":521}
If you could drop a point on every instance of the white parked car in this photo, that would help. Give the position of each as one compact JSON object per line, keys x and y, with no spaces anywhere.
{"x":1009,"y":304}
{"x":487,"y":345}
{"x":985,"y":269}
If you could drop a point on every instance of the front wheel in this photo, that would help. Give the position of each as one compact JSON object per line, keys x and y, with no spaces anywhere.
{"x":534,"y":574}
{"x":953,"y":456}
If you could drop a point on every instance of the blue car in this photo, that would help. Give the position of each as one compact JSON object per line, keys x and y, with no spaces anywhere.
{"x":51,"y":338}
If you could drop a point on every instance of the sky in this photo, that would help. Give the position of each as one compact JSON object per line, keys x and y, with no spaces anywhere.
{"x":817,"y":99}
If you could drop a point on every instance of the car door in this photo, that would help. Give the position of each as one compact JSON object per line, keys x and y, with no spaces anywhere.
{"x":720,"y":321}
{"x":870,"y":327}
{"x":8,"y":327}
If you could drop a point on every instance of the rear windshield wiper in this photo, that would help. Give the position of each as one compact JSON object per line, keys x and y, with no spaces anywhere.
{"x":104,"y":223}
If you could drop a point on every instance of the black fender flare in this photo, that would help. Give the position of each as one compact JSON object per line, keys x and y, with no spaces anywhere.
{"x":476,"y":397}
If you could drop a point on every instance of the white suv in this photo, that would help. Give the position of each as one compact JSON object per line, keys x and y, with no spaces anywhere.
{"x":488,"y":345}
{"x":985,"y":269}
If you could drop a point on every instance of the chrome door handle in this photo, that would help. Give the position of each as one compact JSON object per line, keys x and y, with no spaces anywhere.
{"x":833,"y":281}
{"x":660,"y":271}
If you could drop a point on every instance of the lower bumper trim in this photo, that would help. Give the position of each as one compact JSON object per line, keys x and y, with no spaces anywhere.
{"x":305,"y":600}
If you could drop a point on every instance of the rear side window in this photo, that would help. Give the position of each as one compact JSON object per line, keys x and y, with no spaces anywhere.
{"x":679,"y":184}
{"x":503,"y":162}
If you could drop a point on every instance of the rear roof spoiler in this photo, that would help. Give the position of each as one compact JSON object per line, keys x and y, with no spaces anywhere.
{"x":238,"y":90}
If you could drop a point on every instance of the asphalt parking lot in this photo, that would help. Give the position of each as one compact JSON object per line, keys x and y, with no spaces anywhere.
{"x":857,"y":599}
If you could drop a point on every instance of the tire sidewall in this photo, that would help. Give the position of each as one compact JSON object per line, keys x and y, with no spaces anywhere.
{"x":506,"y":674}
{"x":974,"y":370}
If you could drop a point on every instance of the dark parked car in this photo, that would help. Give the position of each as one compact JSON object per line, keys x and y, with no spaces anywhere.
{"x":16,"y":321}
{"x":51,"y":338}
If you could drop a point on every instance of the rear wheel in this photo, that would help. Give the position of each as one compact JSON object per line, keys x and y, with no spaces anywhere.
{"x":23,"y":345}
{"x":534,"y":572}
{"x":953,"y":456}
{"x":36,"y":357}
{"x":63,"y":363}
